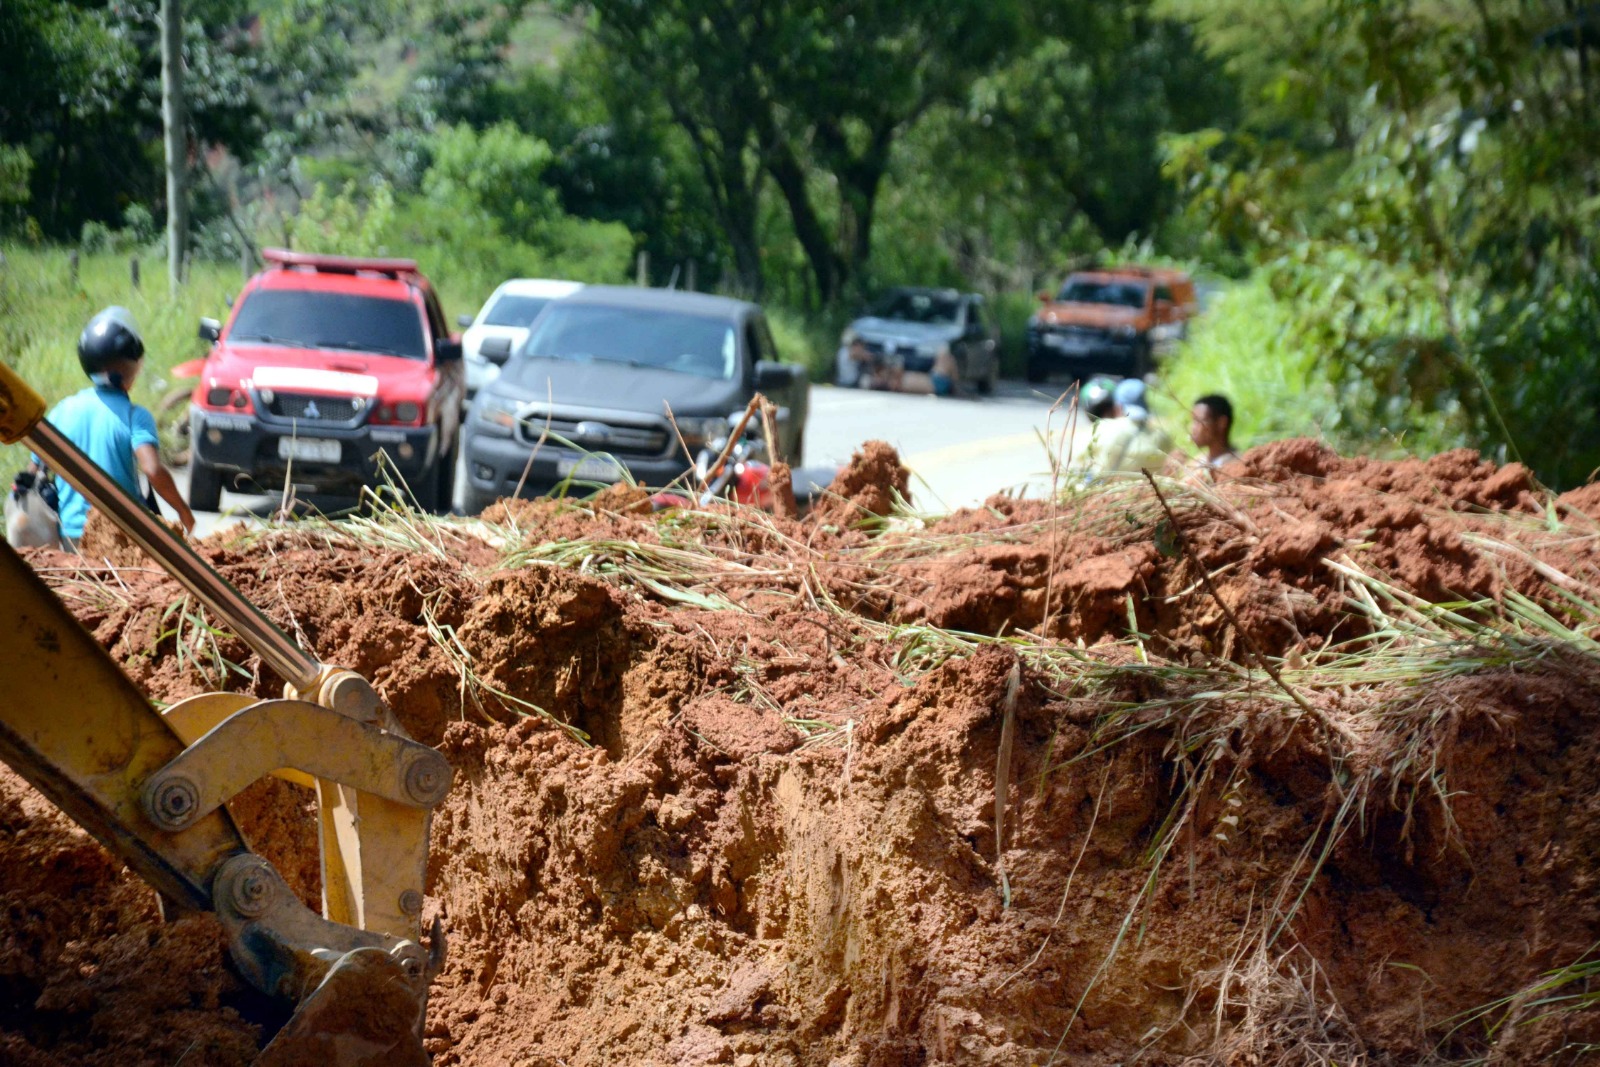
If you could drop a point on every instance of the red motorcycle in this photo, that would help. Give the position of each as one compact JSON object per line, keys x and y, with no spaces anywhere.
{"x":741,"y":472}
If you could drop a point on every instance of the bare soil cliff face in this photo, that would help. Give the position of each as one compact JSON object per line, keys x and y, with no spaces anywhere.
{"x":787,"y":841}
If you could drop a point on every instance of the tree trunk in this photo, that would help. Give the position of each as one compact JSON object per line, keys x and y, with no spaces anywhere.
{"x":172,"y":119}
{"x":739,"y":217}
{"x":859,"y":181}
{"x":735,"y":188}
{"x":790,"y":178}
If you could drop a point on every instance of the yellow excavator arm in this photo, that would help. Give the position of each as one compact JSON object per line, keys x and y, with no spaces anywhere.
{"x":152,"y":786}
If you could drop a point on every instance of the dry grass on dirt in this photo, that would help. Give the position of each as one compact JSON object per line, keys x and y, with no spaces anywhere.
{"x":1300,"y":768}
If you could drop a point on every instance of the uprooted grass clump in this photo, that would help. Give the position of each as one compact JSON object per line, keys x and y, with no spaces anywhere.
{"x":1291,"y":769}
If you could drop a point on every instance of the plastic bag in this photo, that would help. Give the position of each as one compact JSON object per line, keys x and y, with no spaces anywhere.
{"x":31,"y":511}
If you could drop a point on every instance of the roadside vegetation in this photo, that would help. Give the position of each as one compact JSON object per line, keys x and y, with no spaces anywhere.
{"x":1246,"y":347}
{"x":1398,"y":196}
{"x":42,"y":312}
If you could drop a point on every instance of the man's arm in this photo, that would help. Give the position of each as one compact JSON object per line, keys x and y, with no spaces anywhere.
{"x":161,"y":481}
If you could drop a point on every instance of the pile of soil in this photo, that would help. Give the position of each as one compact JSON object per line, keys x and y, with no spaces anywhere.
{"x":858,"y":794}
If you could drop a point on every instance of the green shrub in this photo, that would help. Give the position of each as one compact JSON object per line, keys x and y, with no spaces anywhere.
{"x":1239,"y":347}
{"x":804,"y":340}
{"x":1011,"y":314}
{"x":495,"y":171}
{"x":483,"y":218}
{"x":96,"y":238}
{"x":344,"y":223}
{"x":1244,"y":346}
{"x":139,"y":224}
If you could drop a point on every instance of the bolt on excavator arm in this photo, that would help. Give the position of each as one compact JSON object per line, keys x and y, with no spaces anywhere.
{"x":152,"y":788}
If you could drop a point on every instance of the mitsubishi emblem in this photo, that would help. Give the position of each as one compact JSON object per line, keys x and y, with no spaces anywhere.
{"x":312,"y":411}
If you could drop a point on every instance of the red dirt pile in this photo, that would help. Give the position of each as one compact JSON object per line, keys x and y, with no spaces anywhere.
{"x":781,"y":845}
{"x":867,"y":487}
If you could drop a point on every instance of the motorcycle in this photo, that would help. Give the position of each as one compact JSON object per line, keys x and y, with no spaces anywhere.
{"x":741,"y":471}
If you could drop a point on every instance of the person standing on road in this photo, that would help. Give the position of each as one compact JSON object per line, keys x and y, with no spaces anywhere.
{"x":107,"y":426}
{"x":1210,"y":428}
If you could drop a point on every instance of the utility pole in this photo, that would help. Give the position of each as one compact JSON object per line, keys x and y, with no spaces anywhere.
{"x":177,"y":149}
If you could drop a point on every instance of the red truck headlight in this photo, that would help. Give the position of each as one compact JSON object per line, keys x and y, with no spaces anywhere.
{"x":220,"y":396}
{"x":404,"y":413}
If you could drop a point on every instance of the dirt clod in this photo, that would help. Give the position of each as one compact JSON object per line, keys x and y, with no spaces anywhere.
{"x":866,"y":487}
{"x":726,"y":786}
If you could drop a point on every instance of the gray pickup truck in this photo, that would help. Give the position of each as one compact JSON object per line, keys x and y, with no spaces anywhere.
{"x":616,"y":381}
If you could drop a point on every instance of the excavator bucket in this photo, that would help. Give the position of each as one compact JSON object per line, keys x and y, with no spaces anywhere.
{"x":366,"y":1013}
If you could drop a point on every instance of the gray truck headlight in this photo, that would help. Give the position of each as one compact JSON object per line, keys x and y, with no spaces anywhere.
{"x":496,"y":415}
{"x":699,"y":430}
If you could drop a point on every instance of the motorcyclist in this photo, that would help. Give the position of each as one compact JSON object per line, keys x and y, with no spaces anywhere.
{"x":1095,"y":397}
{"x":1130,"y":439}
{"x":107,"y":426}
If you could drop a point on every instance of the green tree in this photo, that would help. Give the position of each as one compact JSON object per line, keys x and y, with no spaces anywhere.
{"x":495,"y":171}
{"x":1431,"y":215}
{"x":1054,"y":155}
{"x":698,"y":59}
{"x":840,"y":83}
{"x":812,"y":95}
{"x":618,"y":157}
{"x":460,"y":48}
{"x":63,"y":100}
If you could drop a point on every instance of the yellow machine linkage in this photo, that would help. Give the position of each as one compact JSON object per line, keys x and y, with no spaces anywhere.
{"x":153,"y":787}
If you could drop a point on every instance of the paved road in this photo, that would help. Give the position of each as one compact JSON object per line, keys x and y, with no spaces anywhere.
{"x":959,"y":450}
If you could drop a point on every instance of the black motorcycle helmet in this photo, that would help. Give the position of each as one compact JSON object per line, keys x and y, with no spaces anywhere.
{"x":110,"y":337}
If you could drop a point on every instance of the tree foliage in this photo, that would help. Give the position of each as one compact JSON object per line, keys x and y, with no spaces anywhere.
{"x":1416,"y":180}
{"x":994,"y":109}
{"x":1432,"y":222}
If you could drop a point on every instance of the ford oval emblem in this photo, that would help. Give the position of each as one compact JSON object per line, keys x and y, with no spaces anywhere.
{"x":597,"y":433}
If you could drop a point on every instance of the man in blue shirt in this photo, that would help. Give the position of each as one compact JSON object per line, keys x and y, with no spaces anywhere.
{"x":107,"y":426}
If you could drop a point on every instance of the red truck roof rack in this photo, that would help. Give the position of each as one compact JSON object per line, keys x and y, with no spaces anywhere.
{"x":389,"y":268}
{"x":1139,"y":270}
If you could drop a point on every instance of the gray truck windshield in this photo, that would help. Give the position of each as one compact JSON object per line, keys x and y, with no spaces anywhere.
{"x":639,"y":337}
{"x":904,"y":306}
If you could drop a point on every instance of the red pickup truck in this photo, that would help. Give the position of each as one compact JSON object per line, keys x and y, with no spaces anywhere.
{"x":328,"y":369}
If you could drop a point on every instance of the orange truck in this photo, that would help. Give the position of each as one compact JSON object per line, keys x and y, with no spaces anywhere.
{"x":1109,"y":321}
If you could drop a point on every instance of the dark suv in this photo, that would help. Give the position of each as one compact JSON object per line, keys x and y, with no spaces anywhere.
{"x":616,"y":381}
{"x":328,"y":365}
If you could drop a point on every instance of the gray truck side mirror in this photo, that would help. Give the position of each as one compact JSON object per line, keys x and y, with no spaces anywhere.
{"x":495,"y":349}
{"x":770,"y":375}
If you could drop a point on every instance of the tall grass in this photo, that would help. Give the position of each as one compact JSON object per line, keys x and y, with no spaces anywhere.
{"x":1241,"y":347}
{"x":1011,"y":313}
{"x":42,"y":312}
{"x":1245,"y":347}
